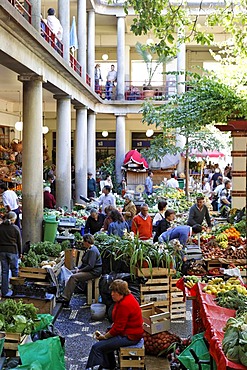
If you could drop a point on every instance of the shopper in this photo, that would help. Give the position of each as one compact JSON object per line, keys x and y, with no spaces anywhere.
{"x":149,"y":183}
{"x":94,"y":222}
{"x":108,"y":181}
{"x":54,"y":24}
{"x":225,"y":198}
{"x":97,"y":78}
{"x":142,"y":224}
{"x":159,"y":215}
{"x":106,"y":199}
{"x":108,"y":218}
{"x":165,"y":223}
{"x":172,"y":182}
{"x":198,"y":212}
{"x":215,"y":194}
{"x":129,"y":209}
{"x":126,"y":330}
{"x":182,"y":233}
{"x":206,"y":189}
{"x":49,"y":200}
{"x":91,"y":267}
{"x":111,"y":78}
{"x":118,"y":226}
{"x":91,"y":186}
{"x":10,"y":201}
{"x":10,"y":250}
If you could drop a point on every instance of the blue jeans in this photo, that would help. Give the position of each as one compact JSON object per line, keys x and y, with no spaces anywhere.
{"x":8,"y":261}
{"x":109,"y":86}
{"x":102,"y":352}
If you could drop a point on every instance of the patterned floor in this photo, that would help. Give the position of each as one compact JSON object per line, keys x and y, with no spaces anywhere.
{"x":76,"y":325}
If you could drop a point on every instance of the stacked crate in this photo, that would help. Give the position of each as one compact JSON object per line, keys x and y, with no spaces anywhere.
{"x":156,"y":289}
{"x":177,"y":303}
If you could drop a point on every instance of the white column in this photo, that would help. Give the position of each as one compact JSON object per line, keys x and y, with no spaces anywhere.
{"x":81,"y":153}
{"x":120,"y":145}
{"x":82,"y":36}
{"x":36,"y":12}
{"x":64,"y":17}
{"x":32,"y":159}
{"x":120,"y":57}
{"x":91,"y":46}
{"x":127,"y":65}
{"x":91,"y":143}
{"x":63,"y":151}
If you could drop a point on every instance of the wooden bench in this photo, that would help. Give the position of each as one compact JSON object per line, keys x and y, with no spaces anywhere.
{"x":133,"y":356}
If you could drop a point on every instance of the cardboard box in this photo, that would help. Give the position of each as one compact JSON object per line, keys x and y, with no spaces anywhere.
{"x":155,"y":319}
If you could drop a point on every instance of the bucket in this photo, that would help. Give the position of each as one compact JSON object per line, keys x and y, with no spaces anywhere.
{"x":2,"y":339}
{"x":98,"y":311}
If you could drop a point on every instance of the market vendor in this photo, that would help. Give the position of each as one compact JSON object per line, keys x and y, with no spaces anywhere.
{"x":10,"y":250}
{"x":91,"y":268}
{"x":10,"y":201}
{"x":198,"y":212}
{"x":49,"y":200}
{"x":106,"y":199}
{"x":182,"y":233}
{"x":142,"y":224}
{"x":126,"y":330}
{"x":94,"y":222}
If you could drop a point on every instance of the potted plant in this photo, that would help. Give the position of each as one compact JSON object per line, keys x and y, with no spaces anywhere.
{"x":152,"y":59}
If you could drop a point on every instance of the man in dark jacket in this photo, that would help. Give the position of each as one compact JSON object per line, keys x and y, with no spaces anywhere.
{"x":10,"y":249}
{"x":198,"y":212}
{"x":94,"y":222}
{"x":91,"y":186}
{"x":90,"y":268}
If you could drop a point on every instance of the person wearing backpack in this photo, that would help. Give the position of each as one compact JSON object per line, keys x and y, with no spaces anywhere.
{"x":164,"y":224}
{"x":159,"y":215}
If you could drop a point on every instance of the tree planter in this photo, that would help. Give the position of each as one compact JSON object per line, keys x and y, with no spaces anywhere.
{"x":148,"y":94}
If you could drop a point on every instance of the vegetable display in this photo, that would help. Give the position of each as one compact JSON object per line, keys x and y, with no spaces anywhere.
{"x":232,"y":299}
{"x":234,"y":343}
{"x":157,"y":343}
{"x":17,"y":317}
{"x":218,"y":285}
{"x":40,"y":252}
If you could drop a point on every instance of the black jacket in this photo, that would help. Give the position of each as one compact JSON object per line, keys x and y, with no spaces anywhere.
{"x":92,"y":225}
{"x":10,"y":239}
{"x":161,"y":227}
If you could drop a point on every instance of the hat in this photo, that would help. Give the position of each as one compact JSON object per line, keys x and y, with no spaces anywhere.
{"x":51,"y":11}
{"x":128,"y":196}
{"x":47,"y":188}
{"x":11,"y":216}
{"x":89,"y":173}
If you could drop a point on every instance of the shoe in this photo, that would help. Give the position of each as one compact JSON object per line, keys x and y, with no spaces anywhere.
{"x":65,"y":302}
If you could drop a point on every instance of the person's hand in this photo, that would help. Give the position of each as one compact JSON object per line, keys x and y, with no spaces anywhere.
{"x":100,"y":337}
{"x":128,"y":213}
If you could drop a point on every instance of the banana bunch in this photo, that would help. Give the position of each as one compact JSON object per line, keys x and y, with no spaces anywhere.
{"x":223,"y":244}
{"x":222,"y":237}
{"x":189,"y":284}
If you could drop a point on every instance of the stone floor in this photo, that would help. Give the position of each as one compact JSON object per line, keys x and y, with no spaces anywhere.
{"x":76,"y":325}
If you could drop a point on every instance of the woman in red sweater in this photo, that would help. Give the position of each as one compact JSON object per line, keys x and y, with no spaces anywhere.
{"x":126,"y":330}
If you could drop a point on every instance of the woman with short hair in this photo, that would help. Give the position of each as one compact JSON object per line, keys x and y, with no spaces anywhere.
{"x":126,"y":330}
{"x":118,"y":225}
{"x":94,"y":222}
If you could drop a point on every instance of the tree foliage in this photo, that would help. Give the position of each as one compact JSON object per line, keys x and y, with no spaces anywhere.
{"x":166,"y":18}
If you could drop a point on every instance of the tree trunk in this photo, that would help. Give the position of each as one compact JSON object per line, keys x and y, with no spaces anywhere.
{"x":187,"y":174}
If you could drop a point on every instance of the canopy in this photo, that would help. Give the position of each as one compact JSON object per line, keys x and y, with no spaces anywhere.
{"x":206,"y":153}
{"x":133,"y":156}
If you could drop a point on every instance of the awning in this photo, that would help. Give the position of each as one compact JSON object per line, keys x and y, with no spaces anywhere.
{"x":206,"y":153}
{"x":134,"y":157}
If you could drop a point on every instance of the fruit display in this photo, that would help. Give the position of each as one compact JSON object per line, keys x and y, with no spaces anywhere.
{"x":218,"y":285}
{"x":156,"y":343}
{"x":190,"y":281}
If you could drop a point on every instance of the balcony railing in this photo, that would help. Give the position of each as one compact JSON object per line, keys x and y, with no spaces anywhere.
{"x":74,"y":64}
{"x":50,"y":37}
{"x":24,"y":8}
{"x":88,"y":79}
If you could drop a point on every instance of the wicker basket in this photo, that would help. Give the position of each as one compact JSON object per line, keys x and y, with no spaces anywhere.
{"x":16,"y":145}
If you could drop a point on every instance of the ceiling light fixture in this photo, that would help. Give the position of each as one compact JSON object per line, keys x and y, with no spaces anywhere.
{"x":105,"y":57}
{"x":104,"y":133}
{"x":149,"y":132}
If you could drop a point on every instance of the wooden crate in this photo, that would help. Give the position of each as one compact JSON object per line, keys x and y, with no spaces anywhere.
{"x":156,"y":290}
{"x":155,"y":319}
{"x":177,"y":303}
{"x":44,"y":305}
{"x":211,"y":264}
{"x":156,"y":272}
{"x":132,"y":357}
{"x":35,"y":273}
{"x":12,"y":340}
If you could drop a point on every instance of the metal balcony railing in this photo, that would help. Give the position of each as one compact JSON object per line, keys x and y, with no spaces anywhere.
{"x":50,"y":37}
{"x":75,"y":65}
{"x":24,"y":8}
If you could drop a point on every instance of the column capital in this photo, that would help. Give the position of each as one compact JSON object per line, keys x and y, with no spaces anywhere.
{"x":91,"y":10}
{"x":79,"y":106}
{"x":92,"y":113}
{"x":120,"y":114}
{"x":27,"y":77}
{"x":62,"y":97}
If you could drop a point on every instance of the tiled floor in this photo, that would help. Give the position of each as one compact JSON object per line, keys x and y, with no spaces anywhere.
{"x":76,"y":325}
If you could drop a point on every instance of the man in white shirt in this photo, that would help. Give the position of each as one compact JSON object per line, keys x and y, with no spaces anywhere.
{"x":54,"y":24}
{"x":106,"y":199}
{"x":10,"y":200}
{"x":110,"y":79}
{"x":172,"y":182}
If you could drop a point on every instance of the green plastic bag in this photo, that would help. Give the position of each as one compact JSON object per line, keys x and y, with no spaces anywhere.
{"x":34,"y":366}
{"x":48,"y":352}
{"x":44,"y":321}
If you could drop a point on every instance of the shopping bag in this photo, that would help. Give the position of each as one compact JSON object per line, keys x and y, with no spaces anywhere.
{"x":44,"y":320}
{"x":48,"y":352}
{"x":36,"y":365}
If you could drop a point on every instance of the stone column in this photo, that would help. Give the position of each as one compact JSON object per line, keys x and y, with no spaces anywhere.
{"x":239,"y":168}
{"x":82,"y":36}
{"x":32,"y":159}
{"x":64,"y":17}
{"x":91,"y":143}
{"x":127,"y":65}
{"x":91,"y":45}
{"x":120,"y":57}
{"x":120,"y":145}
{"x":63,"y":151}
{"x":36,"y":12}
{"x":181,"y":65}
{"x":81,"y":153}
